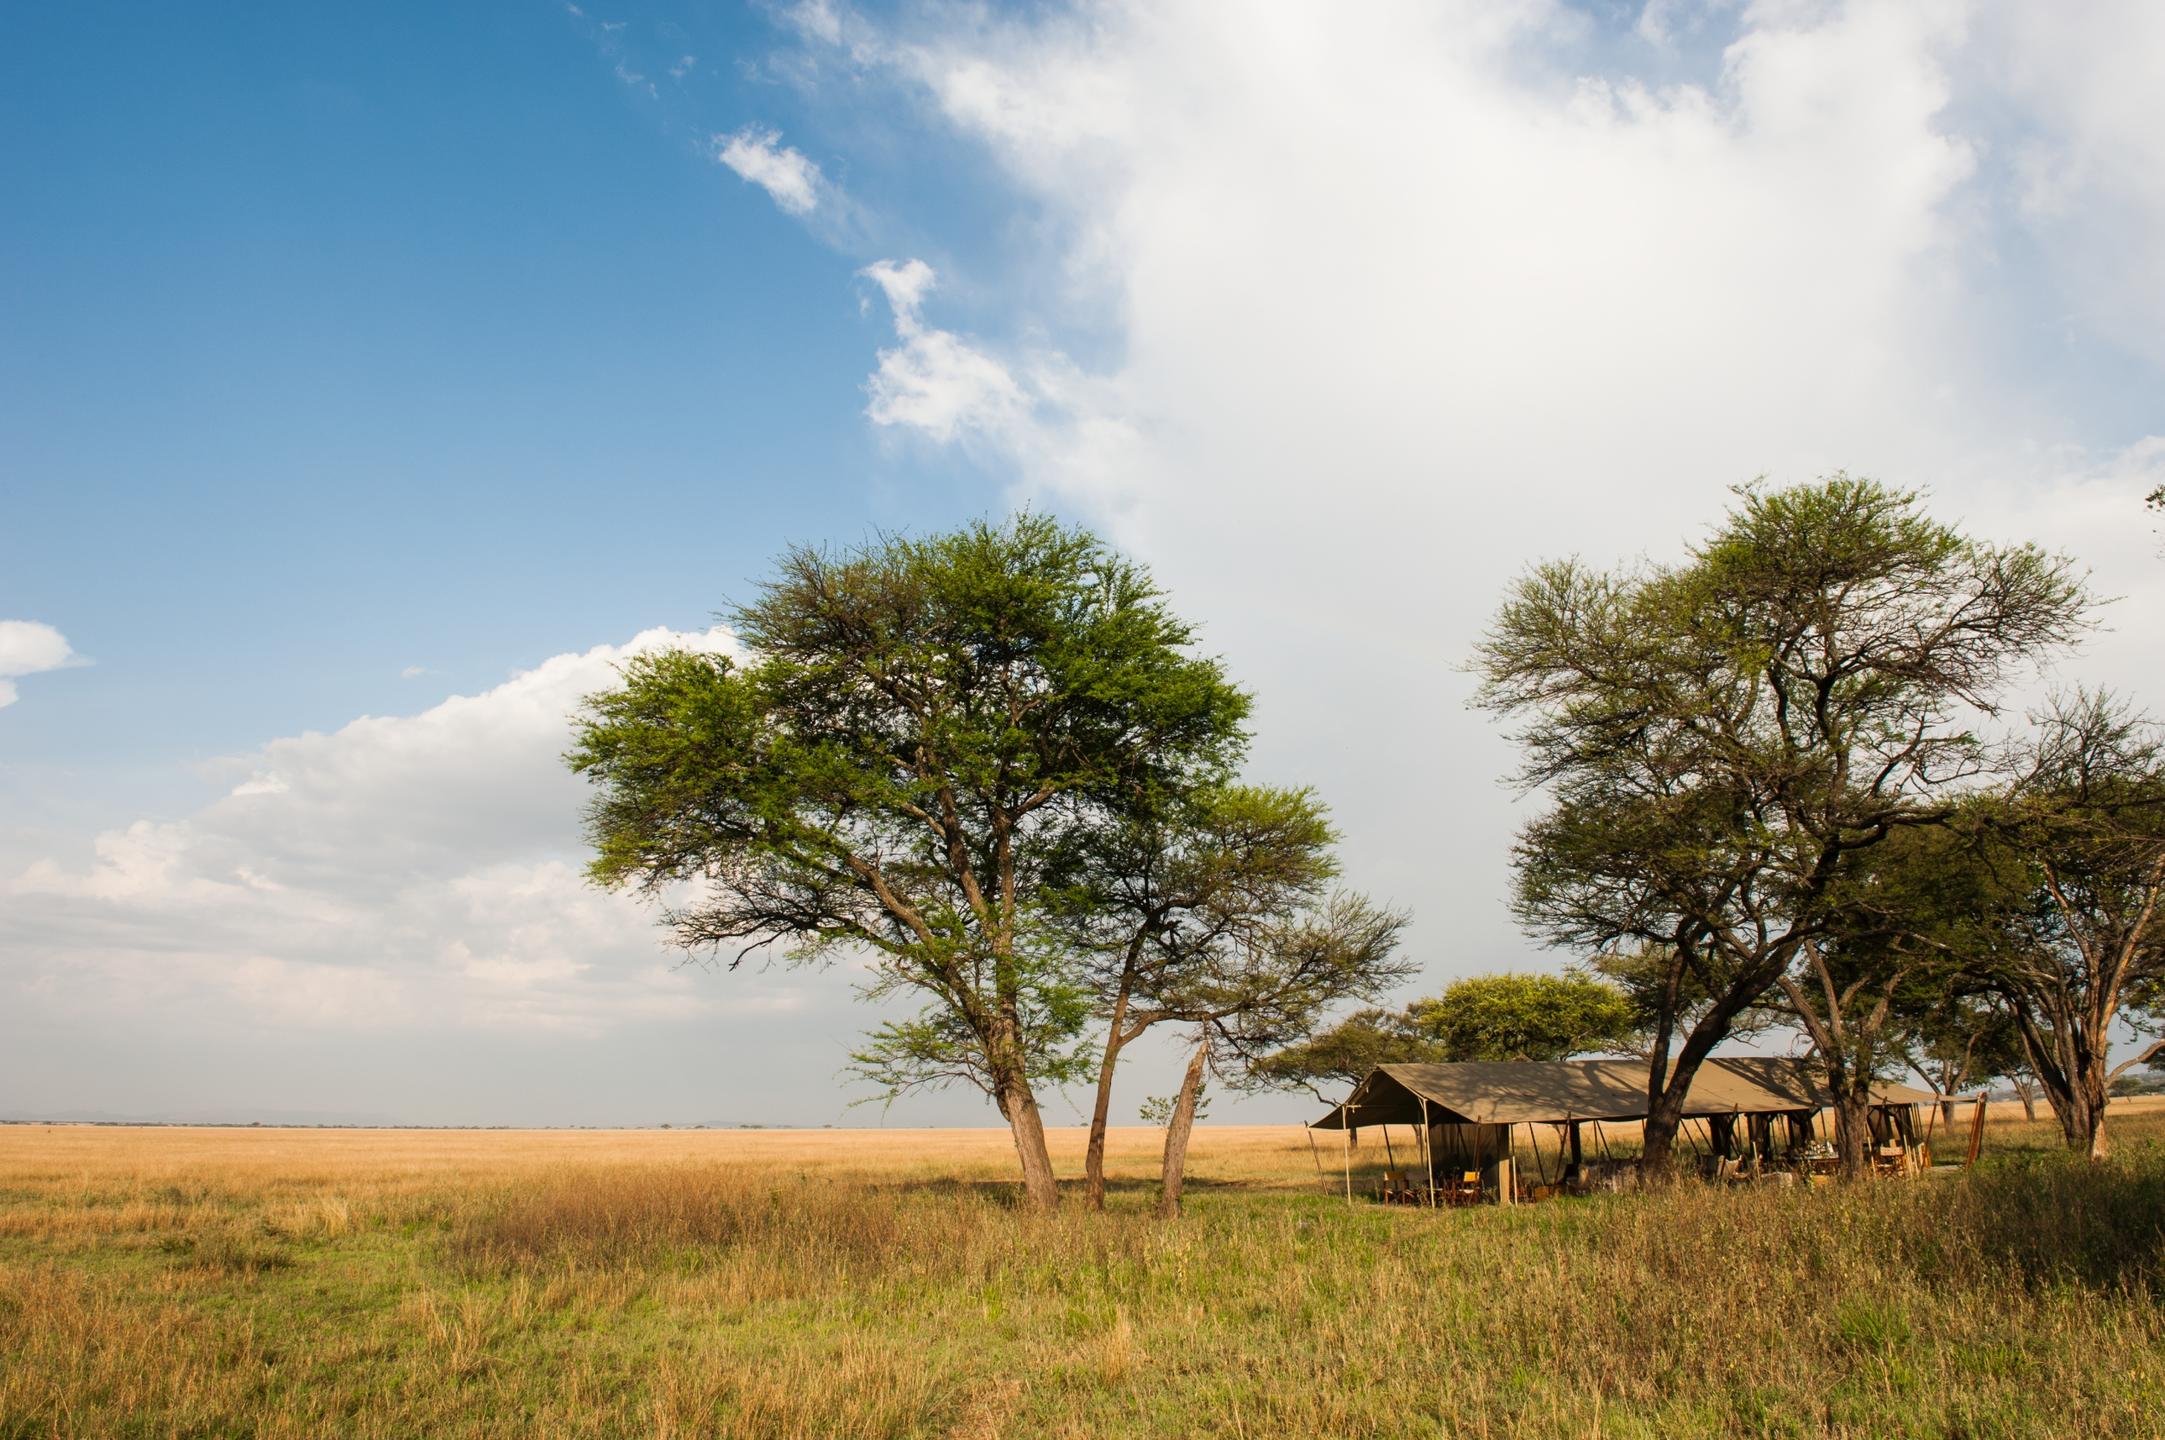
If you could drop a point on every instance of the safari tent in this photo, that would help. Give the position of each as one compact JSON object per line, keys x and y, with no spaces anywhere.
{"x":1739,"y":1110}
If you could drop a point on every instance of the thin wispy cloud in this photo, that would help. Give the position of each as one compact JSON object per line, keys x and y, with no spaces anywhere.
{"x":759,"y":157}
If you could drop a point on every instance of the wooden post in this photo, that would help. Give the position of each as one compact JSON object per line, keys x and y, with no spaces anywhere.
{"x":1347,"y":1130}
{"x":1428,"y":1141}
{"x":1977,"y":1132}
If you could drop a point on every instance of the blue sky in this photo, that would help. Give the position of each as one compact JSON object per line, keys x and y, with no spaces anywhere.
{"x":356,"y":362}
{"x":343,"y":344}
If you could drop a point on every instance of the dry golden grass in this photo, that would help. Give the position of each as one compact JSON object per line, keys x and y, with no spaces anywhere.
{"x":881,"y":1283}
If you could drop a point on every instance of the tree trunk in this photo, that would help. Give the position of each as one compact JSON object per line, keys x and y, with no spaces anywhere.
{"x":2026,"y":1092}
{"x":2057,"y":1067}
{"x":1177,"y":1132}
{"x":1853,"y":1129}
{"x":1028,"y":1129}
{"x":1094,"y":1153}
{"x":1019,"y":1105}
{"x":2094,"y":1091}
{"x":1665,"y":1116}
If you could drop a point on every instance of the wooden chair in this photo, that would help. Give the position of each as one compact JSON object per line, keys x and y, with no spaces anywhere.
{"x":1890,"y":1160}
{"x":1466,"y":1190}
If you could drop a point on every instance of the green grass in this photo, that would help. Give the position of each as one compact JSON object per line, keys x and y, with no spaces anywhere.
{"x":706,"y":1298}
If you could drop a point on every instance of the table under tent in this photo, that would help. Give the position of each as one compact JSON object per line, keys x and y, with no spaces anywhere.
{"x":1744,"y":1117}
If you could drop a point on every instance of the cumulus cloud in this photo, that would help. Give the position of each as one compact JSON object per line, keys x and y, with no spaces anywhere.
{"x":784,"y":173}
{"x":28,"y":647}
{"x":1404,"y":296}
{"x":416,"y":870}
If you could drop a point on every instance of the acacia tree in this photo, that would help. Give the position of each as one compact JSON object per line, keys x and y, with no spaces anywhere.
{"x":1258,"y":989}
{"x":2085,"y":814}
{"x":1721,"y":737}
{"x":1170,"y":893}
{"x":922,"y":724}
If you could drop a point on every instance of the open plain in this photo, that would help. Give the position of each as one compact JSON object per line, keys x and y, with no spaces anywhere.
{"x":179,"y":1282}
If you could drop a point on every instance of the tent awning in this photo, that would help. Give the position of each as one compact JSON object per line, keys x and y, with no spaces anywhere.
{"x":1516,"y":1092}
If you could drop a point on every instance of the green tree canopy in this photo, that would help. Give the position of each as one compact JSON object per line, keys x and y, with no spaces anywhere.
{"x":1719,"y":738}
{"x":920,"y":727}
{"x":1525,"y":1017}
{"x":2083,"y":819}
{"x":1482,"y":1017}
{"x":1339,"y":1057}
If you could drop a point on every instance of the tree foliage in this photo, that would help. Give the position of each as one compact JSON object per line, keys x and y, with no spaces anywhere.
{"x":1339,"y":1057}
{"x":921,"y":727}
{"x":1215,"y":911}
{"x":1525,"y":1017}
{"x":1720,"y":738}
{"x":2083,"y":822}
{"x":1481,"y":1017}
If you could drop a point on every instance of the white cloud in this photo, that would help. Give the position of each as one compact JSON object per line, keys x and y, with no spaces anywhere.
{"x":414,"y":672}
{"x":905,"y":285}
{"x":418,"y":870}
{"x":816,"y":19}
{"x":759,"y":157}
{"x":1402,"y":296}
{"x":684,"y":66}
{"x":2092,"y":158}
{"x":935,"y":381}
{"x":28,"y":647}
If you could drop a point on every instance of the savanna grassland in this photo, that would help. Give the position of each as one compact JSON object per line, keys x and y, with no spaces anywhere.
{"x":171,"y":1282}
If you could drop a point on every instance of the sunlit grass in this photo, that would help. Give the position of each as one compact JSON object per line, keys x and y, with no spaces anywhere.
{"x":170,"y":1282}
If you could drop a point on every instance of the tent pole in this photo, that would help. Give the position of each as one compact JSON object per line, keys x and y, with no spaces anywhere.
{"x":1348,"y":1133}
{"x":1428,"y":1145}
{"x":1315,"y":1155}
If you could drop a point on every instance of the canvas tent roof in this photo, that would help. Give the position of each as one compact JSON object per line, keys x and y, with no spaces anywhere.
{"x":1515,"y":1092}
